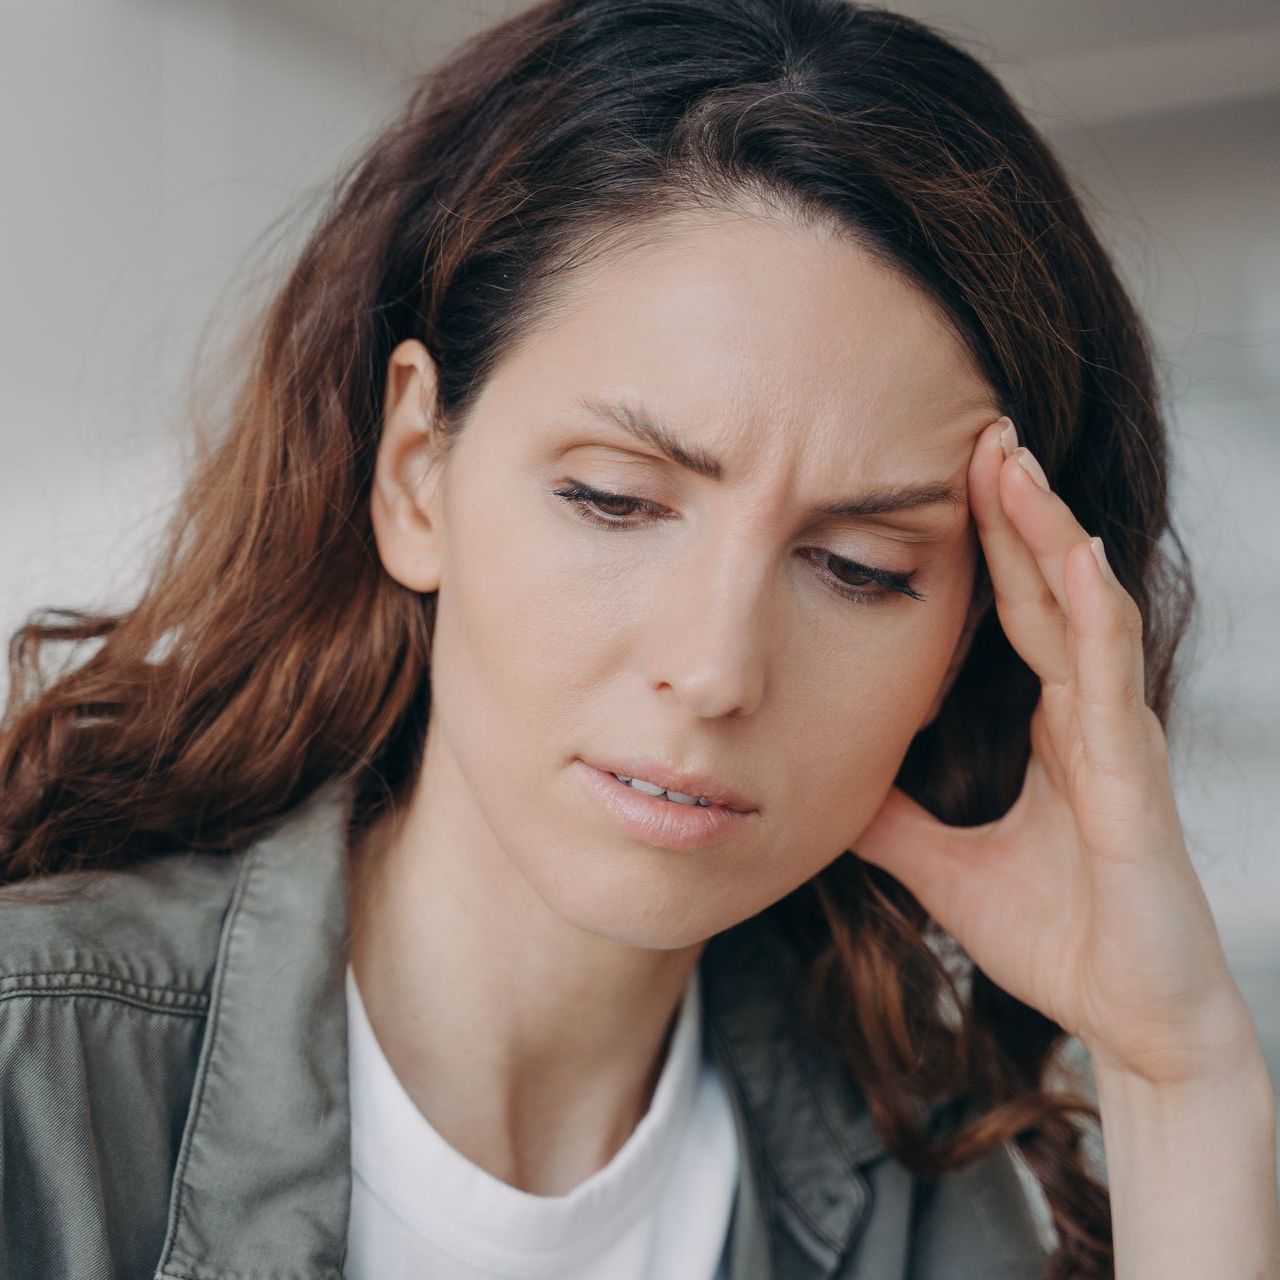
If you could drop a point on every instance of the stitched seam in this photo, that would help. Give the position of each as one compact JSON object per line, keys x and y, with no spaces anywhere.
{"x":206,"y":1056}
{"x":854,"y":1156}
{"x":79,"y":982}
{"x":134,"y":1002}
{"x":183,"y":1268}
{"x":775,"y":1179}
{"x":825,"y":1120}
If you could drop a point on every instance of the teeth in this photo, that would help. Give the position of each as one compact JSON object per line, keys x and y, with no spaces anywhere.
{"x":647,"y":787}
{"x":680,"y":798}
{"x":651,"y":790}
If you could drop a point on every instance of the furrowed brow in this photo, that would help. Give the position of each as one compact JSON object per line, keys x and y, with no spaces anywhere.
{"x":643,"y":427}
{"x":872,"y":502}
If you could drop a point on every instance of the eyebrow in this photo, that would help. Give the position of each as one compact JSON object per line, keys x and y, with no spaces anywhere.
{"x":872,"y":502}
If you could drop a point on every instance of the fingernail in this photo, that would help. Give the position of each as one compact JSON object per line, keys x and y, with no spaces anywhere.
{"x":1008,"y":438}
{"x":1100,"y":555}
{"x":1027,"y":460}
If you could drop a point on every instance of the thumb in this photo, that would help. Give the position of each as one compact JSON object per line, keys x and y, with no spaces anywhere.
{"x":927,"y":855}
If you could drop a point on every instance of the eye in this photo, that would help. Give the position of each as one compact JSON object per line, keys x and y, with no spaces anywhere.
{"x":869,"y":585}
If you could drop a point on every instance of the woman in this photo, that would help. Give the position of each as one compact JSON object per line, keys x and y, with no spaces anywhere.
{"x":503,"y":841}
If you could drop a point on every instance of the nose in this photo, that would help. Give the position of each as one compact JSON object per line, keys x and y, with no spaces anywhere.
{"x":709,"y":633}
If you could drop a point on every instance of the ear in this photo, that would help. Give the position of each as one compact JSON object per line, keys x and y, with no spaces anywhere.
{"x":978,"y":605}
{"x":404,"y":503}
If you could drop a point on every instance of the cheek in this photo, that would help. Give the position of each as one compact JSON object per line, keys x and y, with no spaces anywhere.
{"x":860,"y":720}
{"x":884,"y":680}
{"x":854,"y":747}
{"x":521,"y":627}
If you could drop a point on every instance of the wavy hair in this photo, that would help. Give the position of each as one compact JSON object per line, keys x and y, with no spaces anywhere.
{"x":270,"y":651}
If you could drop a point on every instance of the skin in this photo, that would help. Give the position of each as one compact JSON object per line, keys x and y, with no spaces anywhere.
{"x":512,"y":944}
{"x":520,"y":955}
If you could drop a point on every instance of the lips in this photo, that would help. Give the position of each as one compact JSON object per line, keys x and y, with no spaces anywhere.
{"x":687,"y":782}
{"x":657,"y":821}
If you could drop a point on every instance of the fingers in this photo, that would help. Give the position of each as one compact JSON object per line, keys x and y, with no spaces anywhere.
{"x":1042,"y":520}
{"x":1069,"y":618}
{"x":1029,"y":611}
{"x":1116,"y":725}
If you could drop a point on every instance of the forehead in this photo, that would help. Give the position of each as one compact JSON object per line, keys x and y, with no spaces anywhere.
{"x":756,"y":339}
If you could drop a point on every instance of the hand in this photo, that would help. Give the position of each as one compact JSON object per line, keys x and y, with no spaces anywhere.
{"x":1081,"y":900}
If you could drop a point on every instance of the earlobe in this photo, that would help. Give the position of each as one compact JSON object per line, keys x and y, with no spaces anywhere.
{"x":403,"y":506}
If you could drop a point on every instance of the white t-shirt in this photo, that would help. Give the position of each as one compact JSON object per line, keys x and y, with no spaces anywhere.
{"x":659,"y":1208}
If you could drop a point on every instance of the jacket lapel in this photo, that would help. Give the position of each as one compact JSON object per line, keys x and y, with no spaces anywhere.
{"x":803,"y":1126}
{"x":263,"y":1183}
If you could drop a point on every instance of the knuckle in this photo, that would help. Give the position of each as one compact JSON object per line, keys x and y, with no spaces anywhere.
{"x":1130,"y":699}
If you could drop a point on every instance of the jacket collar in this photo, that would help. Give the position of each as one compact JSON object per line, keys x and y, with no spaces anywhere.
{"x":262,"y":1184}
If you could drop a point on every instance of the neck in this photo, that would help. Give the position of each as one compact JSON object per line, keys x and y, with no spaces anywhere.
{"x":533,"y":1047}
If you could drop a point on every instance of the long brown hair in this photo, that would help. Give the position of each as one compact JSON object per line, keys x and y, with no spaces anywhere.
{"x":270,"y":651}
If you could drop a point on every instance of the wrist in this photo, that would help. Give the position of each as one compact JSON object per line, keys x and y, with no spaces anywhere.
{"x":1191,"y":1171}
{"x":1240,"y":1088}
{"x":1221,"y":1049}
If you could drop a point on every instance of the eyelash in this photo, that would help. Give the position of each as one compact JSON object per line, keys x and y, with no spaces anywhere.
{"x":581,"y":496}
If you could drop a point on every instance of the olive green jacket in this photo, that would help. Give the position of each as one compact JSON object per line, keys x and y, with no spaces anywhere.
{"x":173,"y":1092}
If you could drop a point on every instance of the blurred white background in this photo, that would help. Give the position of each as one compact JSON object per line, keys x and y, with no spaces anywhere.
{"x":147,"y":147}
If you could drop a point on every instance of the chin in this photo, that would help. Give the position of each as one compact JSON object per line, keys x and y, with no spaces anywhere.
{"x":636,"y":907}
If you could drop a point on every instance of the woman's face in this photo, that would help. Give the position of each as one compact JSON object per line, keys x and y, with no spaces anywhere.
{"x":709,"y":631}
